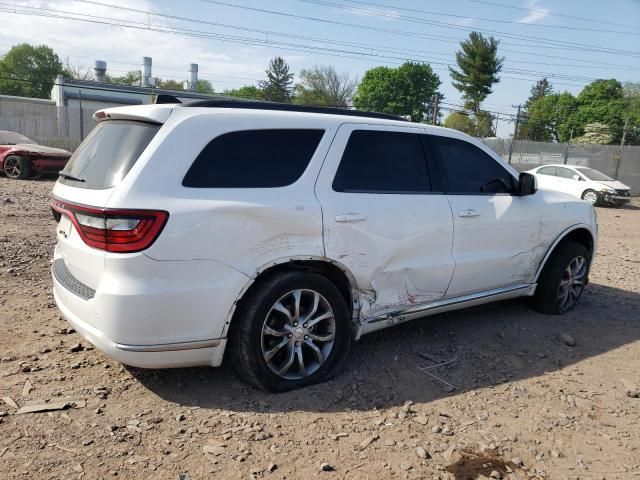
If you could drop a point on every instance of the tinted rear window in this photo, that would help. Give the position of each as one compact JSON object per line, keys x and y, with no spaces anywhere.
{"x":254,"y":159}
{"x":383,"y":162}
{"x":108,"y":153}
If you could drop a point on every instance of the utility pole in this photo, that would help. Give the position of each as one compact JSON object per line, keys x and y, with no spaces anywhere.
{"x":566,"y":149}
{"x":497,"y":120}
{"x":515,"y":132}
{"x":435,"y":109}
{"x":624,"y":135}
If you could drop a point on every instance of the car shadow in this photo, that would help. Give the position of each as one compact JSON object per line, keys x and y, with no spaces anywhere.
{"x":481,"y":347}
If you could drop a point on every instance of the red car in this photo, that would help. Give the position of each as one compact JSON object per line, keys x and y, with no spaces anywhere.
{"x":21,"y":157}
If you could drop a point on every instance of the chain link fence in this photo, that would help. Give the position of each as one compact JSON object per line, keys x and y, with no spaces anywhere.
{"x":66,"y":127}
{"x":621,"y":163}
{"x":46,"y":124}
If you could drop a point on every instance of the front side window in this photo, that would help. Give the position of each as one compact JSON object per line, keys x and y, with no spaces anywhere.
{"x":566,"y":173}
{"x":466,"y":169}
{"x":377,"y":161}
{"x":254,"y":159}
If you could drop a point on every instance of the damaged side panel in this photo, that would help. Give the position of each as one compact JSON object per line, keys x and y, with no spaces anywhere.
{"x":396,"y":245}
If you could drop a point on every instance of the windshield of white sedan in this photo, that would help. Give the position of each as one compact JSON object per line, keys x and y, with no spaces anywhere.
{"x":592,"y":174}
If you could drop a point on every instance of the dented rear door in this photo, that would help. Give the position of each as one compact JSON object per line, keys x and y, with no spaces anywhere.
{"x":384,"y":218}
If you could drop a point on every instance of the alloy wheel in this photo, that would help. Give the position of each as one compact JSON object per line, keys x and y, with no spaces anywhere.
{"x":298,"y":334}
{"x":12,"y":167}
{"x":591,"y":197}
{"x":572,"y":283}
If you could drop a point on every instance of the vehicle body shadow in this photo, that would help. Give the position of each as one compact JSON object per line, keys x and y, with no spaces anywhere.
{"x":482,"y":347}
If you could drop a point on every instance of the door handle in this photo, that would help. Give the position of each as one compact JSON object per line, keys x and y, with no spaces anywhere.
{"x":469,"y":212}
{"x":350,"y":217}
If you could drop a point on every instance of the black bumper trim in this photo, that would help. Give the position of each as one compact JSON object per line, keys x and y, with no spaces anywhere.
{"x":62,"y":274}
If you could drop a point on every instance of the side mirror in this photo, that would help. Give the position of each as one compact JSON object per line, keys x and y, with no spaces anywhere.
{"x":527,"y":184}
{"x":576,"y":177}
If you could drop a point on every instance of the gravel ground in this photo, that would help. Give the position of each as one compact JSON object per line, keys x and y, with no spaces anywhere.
{"x":522,"y":395}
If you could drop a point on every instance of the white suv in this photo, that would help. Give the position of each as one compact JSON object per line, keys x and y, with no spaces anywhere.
{"x":278,"y":234}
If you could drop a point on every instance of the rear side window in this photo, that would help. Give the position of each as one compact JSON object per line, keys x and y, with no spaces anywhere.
{"x":108,"y":153}
{"x":254,"y":159}
{"x":547,"y":171}
{"x":383,"y":162}
{"x":466,"y":169}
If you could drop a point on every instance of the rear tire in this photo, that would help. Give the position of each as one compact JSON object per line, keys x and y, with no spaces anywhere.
{"x":277,"y":346}
{"x":16,"y":168}
{"x":592,"y":197}
{"x":563,"y":279}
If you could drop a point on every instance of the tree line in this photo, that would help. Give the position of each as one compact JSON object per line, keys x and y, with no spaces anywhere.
{"x":605,"y":111}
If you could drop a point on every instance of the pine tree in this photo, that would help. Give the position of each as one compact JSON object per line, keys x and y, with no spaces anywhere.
{"x":542,"y":88}
{"x":479,"y":66}
{"x":532,"y":129}
{"x":278,"y":87}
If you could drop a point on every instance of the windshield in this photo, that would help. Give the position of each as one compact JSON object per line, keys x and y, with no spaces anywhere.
{"x":14,"y":138}
{"x":107,"y":154}
{"x":592,"y":174}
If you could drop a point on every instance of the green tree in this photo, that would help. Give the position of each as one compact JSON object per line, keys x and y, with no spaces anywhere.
{"x":602,"y":101}
{"x":324,"y":86}
{"x":406,"y":90}
{"x":477,"y":125}
{"x":484,"y":124}
{"x":250,"y":92}
{"x":132,"y":77}
{"x":278,"y":87}
{"x":533,"y":130}
{"x":478,"y":68}
{"x":631,"y":125}
{"x":595,"y":133}
{"x":204,"y":86}
{"x":460,"y":121}
{"x":552,"y":117}
{"x":28,"y":71}
{"x":170,"y":84}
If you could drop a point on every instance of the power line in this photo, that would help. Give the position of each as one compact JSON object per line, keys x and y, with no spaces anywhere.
{"x":493,"y":20}
{"x":546,"y":43}
{"x":368,"y":46}
{"x":598,"y":21}
{"x":331,"y":41}
{"x":253,"y":41}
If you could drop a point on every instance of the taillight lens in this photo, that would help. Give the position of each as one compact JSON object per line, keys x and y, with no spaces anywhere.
{"x":114,"y":230}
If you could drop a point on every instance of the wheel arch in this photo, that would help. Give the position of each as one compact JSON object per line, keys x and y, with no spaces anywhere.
{"x":334,"y":271}
{"x":580,"y":233}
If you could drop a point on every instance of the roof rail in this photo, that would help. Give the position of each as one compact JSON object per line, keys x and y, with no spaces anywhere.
{"x":287,"y":107}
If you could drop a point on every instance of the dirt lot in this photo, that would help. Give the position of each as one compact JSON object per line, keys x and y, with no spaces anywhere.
{"x":528,"y":402}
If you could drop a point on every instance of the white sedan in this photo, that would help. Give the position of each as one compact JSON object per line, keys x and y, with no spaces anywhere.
{"x":583,"y":182}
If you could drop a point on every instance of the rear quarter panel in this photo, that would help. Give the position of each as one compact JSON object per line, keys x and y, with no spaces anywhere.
{"x":246,"y":229}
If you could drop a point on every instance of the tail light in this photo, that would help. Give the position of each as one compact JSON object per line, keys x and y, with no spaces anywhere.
{"x":111,"y":229}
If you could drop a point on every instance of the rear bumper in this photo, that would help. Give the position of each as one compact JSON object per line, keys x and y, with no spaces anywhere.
{"x":174,"y":355}
{"x":151,"y":314}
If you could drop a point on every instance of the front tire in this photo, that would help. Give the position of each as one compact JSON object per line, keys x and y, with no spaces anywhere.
{"x":563,"y":279}
{"x":592,"y":197}
{"x":292,"y":330}
{"x":16,"y":168}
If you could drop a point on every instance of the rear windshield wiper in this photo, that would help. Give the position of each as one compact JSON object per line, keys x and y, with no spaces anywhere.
{"x":71,"y":177}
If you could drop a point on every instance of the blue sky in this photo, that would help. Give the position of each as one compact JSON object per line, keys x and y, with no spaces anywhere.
{"x":387,"y":33}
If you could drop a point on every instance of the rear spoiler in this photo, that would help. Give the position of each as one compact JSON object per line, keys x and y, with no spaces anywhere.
{"x":140,"y":113}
